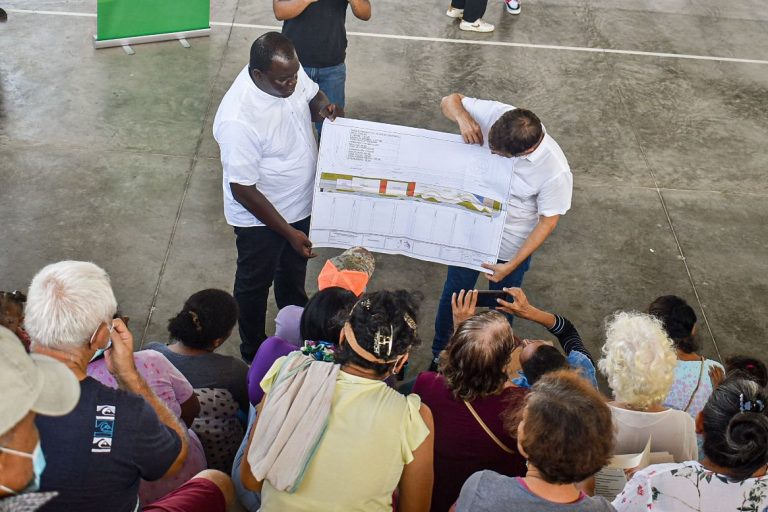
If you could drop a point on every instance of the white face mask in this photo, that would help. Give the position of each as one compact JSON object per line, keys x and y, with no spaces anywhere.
{"x":101,"y":351}
{"x":38,"y":466}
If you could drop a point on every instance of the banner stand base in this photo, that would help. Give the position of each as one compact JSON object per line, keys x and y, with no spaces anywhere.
{"x":171,"y":36}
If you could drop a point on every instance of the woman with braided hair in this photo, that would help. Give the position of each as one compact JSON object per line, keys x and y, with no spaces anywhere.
{"x":732,"y":475}
{"x":352,"y":441}
{"x":203,"y":325}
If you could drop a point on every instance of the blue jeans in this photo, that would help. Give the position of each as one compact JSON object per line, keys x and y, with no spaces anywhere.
{"x":460,"y":278}
{"x":331,"y":81}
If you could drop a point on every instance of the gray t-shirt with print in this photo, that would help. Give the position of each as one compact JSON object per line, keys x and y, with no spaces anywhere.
{"x":488,"y":491}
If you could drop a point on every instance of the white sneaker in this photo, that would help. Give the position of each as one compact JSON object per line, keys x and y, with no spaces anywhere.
{"x":477,"y":26}
{"x":513,"y":6}
{"x":453,"y":12}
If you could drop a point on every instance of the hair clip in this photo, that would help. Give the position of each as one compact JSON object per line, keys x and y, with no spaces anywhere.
{"x":380,"y":339}
{"x":364,"y":303}
{"x":750,"y":405}
{"x":196,"y":321}
{"x":410,"y":321}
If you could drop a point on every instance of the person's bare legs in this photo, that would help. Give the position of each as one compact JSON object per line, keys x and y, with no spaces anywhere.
{"x":223,"y":482}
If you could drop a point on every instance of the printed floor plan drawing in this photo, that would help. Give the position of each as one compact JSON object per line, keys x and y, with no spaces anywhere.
{"x":401,"y":190}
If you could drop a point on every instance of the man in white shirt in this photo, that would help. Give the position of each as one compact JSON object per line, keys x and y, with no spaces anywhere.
{"x":541,"y":190}
{"x":269,"y":155}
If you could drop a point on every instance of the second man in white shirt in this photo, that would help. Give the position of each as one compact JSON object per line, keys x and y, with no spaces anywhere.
{"x":540,"y":193}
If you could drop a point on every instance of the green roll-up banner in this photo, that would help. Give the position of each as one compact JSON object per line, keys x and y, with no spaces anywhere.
{"x":127,"y":19}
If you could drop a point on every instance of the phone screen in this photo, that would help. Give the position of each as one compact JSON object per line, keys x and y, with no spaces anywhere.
{"x":487,"y":298}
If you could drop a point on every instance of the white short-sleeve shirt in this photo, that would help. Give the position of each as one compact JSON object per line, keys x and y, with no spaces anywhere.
{"x":267,"y":142}
{"x":542,"y":183}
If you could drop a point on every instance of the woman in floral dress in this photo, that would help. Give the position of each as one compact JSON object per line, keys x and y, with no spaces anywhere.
{"x":732,"y":476}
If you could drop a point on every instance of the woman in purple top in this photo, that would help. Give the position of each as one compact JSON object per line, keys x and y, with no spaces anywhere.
{"x":467,"y":401}
{"x":321,"y":322}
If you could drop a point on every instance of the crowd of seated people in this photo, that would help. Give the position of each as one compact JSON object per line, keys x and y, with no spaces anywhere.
{"x":318,"y":421}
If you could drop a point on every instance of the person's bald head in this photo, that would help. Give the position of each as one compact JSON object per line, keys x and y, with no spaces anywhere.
{"x":474,"y":363}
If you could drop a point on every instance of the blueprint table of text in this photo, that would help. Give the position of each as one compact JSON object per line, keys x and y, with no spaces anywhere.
{"x":401,"y":190}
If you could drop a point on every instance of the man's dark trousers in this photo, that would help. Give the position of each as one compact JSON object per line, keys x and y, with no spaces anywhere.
{"x":264,"y":257}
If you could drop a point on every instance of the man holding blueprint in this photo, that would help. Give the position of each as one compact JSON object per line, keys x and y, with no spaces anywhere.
{"x":540,"y":192}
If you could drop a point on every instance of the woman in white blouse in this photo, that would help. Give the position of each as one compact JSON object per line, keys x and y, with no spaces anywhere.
{"x":639,"y":363}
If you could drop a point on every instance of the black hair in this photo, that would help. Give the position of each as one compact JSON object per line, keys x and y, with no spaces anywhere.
{"x":678,"y":319}
{"x":206,"y":316}
{"x":749,"y":368}
{"x":544,"y":360}
{"x":268,"y":46}
{"x":734,"y":437}
{"x":390,"y":313}
{"x":515,"y":132}
{"x":325,"y":314}
{"x":14,"y":298}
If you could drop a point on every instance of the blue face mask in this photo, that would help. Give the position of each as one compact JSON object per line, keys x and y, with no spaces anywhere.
{"x":38,"y":466}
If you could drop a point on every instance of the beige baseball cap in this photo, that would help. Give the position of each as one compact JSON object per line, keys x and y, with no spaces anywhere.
{"x":32,"y":383}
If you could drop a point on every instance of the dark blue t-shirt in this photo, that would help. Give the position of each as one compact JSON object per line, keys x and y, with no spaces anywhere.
{"x":319,"y":34}
{"x":97,"y":454}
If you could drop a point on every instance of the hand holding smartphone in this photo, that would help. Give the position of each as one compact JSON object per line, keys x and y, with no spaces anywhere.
{"x":487,"y":298}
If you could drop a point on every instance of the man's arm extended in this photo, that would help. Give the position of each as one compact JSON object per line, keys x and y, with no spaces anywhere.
{"x":361,"y":9}
{"x":122,"y":366}
{"x":454,"y":110}
{"x":543,"y":229}
{"x":255,"y":202}
{"x":289,"y":9}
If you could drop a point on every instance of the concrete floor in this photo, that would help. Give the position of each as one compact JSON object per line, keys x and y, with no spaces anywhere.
{"x":109,"y":157}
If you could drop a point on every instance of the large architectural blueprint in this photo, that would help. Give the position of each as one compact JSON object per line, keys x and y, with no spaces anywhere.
{"x":401,"y":190}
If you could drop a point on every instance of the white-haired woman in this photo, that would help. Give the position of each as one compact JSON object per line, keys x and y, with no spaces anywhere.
{"x":639,"y":363}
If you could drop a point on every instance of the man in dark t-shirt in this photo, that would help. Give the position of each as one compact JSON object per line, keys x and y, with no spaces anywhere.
{"x":114,"y":439}
{"x":316,"y":28}
{"x":96,"y":456}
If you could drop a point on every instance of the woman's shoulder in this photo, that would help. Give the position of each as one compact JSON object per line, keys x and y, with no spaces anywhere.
{"x":428,"y":383}
{"x":492,"y":485}
{"x":151,"y":356}
{"x":488,"y":477}
{"x":709,"y":363}
{"x":690,"y":483}
{"x":678,"y":416}
{"x":673,"y":474}
{"x":156,"y":346}
{"x":671,"y":468}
